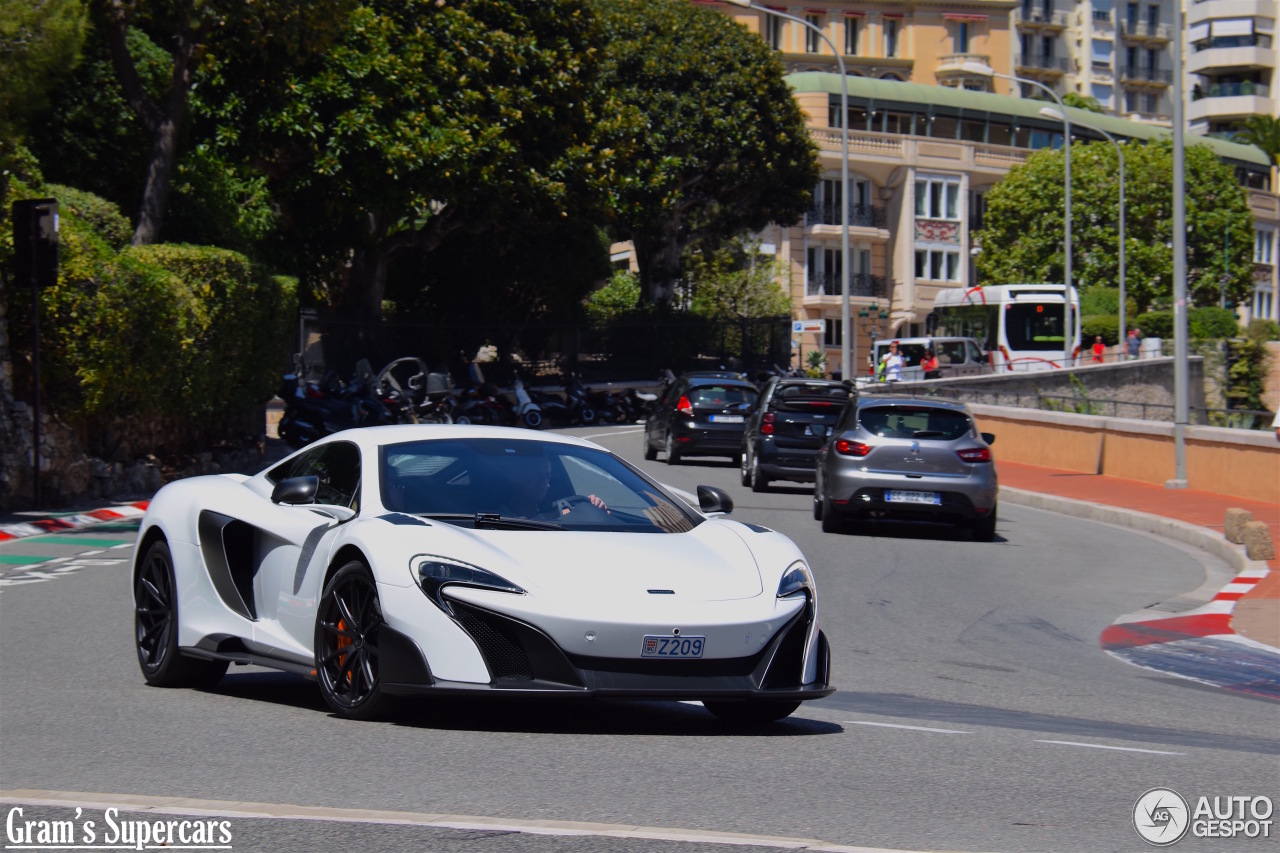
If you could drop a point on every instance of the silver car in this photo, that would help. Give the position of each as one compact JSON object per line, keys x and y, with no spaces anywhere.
{"x":907,"y":458}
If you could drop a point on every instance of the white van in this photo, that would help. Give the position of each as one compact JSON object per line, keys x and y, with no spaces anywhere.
{"x":956,"y":357}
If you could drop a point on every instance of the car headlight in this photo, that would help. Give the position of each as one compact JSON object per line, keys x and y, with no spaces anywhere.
{"x":433,"y":574}
{"x":795,"y":580}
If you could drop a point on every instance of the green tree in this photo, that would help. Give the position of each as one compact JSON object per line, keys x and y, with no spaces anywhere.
{"x":1022,"y":239}
{"x":701,"y":136}
{"x":618,"y":296}
{"x":1084,"y":102}
{"x":736,"y":282}
{"x":425,"y":120}
{"x":1264,"y":132}
{"x":217,"y":41}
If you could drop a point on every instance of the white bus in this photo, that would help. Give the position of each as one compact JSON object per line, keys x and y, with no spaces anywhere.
{"x":1020,"y":325}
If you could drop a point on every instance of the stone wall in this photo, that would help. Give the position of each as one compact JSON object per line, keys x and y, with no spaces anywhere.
{"x":1133,"y":384}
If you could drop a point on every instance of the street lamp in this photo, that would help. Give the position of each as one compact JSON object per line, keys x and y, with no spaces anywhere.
{"x":1049,"y":112}
{"x":845,"y":324}
{"x":986,"y":71}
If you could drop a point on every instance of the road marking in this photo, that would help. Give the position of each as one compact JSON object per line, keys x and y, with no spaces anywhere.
{"x":1114,"y":748}
{"x":911,"y":728}
{"x":628,"y":431}
{"x":276,"y":811}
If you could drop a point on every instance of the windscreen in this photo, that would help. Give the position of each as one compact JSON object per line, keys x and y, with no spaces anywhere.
{"x":570,"y":487}
{"x":720,"y":396}
{"x":914,"y":422}
{"x":1034,"y":326}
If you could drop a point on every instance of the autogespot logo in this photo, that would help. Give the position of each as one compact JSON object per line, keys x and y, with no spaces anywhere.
{"x":1161,"y":816}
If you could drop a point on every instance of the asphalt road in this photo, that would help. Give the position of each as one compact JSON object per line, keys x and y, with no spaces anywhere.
{"x":975,"y":711}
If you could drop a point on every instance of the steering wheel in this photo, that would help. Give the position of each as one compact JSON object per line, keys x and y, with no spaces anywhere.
{"x":572,"y":502}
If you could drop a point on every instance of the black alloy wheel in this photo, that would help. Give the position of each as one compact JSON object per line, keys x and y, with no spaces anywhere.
{"x":650,"y":452}
{"x":759,"y":482}
{"x":744,"y":469}
{"x":155,"y":621}
{"x":346,"y":645}
{"x":831,"y":520}
{"x":673,"y":455}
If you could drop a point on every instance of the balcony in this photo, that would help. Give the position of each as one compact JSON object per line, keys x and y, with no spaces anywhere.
{"x":1039,"y":19}
{"x":1209,"y":10}
{"x":1035,"y":63}
{"x":953,"y":64}
{"x":1242,"y":57}
{"x":1147,"y":75}
{"x":1224,"y":101}
{"x":860,"y":215}
{"x":1145,"y":31}
{"x":822,"y":284}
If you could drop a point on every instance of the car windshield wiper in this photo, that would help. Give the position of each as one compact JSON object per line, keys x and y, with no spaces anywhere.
{"x":495,"y":520}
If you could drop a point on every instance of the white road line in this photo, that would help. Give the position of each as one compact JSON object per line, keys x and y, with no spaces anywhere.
{"x":121,"y":545}
{"x":911,"y":728}
{"x":628,"y":431}
{"x":276,"y":811}
{"x":1114,"y":748}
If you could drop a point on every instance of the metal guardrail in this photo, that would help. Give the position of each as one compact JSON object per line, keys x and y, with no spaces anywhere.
{"x":860,"y":284}
{"x":860,"y":215}
{"x":1254,"y":419}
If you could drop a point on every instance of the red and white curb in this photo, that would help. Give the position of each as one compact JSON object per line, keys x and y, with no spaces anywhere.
{"x":65,"y":523}
{"x":1200,"y":644}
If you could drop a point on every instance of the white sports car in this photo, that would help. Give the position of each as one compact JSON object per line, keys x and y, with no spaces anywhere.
{"x":474,"y":560}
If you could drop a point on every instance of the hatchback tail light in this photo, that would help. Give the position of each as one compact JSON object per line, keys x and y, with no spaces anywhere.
{"x":975,"y":454}
{"x":852,"y":448}
{"x":767,"y":426}
{"x":684,"y":407}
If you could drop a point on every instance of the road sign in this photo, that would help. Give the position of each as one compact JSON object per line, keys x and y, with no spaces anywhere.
{"x":803,"y":326}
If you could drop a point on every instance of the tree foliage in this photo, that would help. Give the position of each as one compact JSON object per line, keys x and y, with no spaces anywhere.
{"x":701,"y":137}
{"x":735,"y":282}
{"x":619,"y":296}
{"x":39,"y":43}
{"x":423,"y":119}
{"x":1262,"y":131}
{"x":1022,"y":238}
{"x":1084,"y":102}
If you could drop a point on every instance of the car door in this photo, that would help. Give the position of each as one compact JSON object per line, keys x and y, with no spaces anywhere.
{"x":665,"y":412}
{"x":752,"y":433}
{"x":289,"y":546}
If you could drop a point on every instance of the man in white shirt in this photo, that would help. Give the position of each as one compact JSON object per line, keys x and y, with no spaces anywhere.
{"x":893,"y":362}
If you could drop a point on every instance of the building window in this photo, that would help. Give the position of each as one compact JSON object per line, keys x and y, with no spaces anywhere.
{"x":1101,"y":53}
{"x":890,"y":36}
{"x":1102,"y":94}
{"x":833,"y":335}
{"x":1130,"y":101}
{"x":813,"y":41}
{"x":773,"y":32}
{"x":851,"y":36}
{"x":962,"y":37}
{"x":938,"y":263}
{"x":937,"y":197}
{"x":1150,"y":103}
{"x":1263,"y":239}
{"x":1153,"y":17}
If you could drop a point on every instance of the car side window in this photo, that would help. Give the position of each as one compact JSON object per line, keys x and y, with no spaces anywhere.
{"x":336,"y":464}
{"x":975,"y":354}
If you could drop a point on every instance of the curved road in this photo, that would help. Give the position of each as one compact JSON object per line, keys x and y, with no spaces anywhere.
{"x":975,"y":711}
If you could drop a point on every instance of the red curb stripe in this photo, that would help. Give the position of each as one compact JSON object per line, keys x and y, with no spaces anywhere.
{"x":106,"y":514}
{"x":1229,"y":596}
{"x":5,"y":536}
{"x":1133,"y":634}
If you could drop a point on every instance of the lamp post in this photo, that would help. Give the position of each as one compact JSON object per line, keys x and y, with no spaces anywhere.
{"x":985,"y":71}
{"x":845,"y":323}
{"x":1049,"y":112}
{"x":1180,"y":379}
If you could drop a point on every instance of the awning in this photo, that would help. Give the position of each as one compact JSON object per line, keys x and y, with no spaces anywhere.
{"x":1233,"y":27}
{"x":1198,"y":32}
{"x":892,"y":15}
{"x":852,"y":13}
{"x":956,"y":16}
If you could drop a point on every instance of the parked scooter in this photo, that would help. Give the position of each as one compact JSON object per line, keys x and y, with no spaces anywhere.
{"x":528,"y":412}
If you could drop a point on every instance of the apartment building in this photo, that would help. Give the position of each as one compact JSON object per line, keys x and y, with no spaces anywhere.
{"x":929,"y":137}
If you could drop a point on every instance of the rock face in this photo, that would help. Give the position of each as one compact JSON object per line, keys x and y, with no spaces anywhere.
{"x":1233,"y":525}
{"x":1257,"y":542}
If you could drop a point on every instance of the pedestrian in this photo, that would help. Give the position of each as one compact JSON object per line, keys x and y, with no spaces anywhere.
{"x":930,"y":365}
{"x":892,"y":362}
{"x":1098,"y":349}
{"x":1133,"y":344}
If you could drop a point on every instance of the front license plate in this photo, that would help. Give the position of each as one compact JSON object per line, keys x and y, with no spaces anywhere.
{"x":672,"y":647}
{"x":913,"y":497}
{"x":726,"y":419}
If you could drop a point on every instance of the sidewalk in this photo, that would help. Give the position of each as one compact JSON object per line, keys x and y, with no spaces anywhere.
{"x":1248,"y":607}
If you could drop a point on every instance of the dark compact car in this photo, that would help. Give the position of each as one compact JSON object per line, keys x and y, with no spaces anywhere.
{"x":786,"y":428}
{"x":907,"y":458}
{"x":700,"y":414}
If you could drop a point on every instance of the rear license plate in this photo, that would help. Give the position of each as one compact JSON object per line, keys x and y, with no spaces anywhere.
{"x":725,"y":419}
{"x":913,"y":497}
{"x":672,"y":647}
{"x":815,"y":429}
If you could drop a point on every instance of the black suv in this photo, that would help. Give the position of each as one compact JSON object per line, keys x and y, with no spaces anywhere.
{"x":701,"y":414}
{"x":787,"y":427}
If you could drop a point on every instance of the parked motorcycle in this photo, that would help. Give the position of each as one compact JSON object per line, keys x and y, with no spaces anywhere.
{"x":528,"y":412}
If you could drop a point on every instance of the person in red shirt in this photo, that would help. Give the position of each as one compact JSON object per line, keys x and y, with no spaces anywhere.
{"x":1098,"y":348}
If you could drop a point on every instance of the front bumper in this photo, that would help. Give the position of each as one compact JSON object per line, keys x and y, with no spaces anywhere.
{"x":523,"y":660}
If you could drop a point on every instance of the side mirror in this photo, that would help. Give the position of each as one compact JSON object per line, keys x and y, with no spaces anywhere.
{"x":711,"y":499}
{"x":988,"y":437}
{"x":296,"y":490}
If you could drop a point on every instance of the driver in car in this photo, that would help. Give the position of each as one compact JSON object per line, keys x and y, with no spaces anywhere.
{"x":527,"y":481}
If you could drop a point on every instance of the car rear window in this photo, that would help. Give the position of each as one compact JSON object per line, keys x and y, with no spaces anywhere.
{"x":914,"y":422}
{"x":825,"y":398}
{"x":722,"y":395}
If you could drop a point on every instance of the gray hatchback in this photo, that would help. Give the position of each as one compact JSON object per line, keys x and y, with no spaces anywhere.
{"x":909,"y":458}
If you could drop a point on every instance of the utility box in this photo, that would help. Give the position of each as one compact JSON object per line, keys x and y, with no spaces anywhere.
{"x":35,"y":242}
